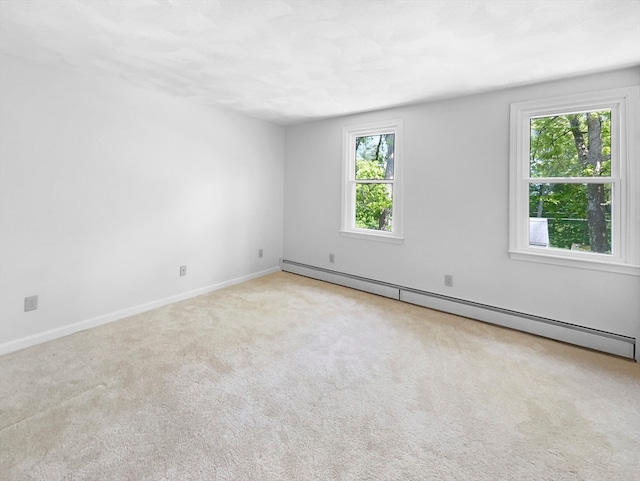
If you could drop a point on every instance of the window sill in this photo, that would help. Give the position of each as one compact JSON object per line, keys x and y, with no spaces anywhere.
{"x":373,"y":236}
{"x":579,"y":263}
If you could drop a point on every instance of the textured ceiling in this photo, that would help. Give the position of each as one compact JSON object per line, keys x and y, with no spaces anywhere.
{"x":293,"y":60}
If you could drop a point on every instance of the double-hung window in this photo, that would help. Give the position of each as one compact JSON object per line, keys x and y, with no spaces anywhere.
{"x":372,"y":181}
{"x":574,"y":182}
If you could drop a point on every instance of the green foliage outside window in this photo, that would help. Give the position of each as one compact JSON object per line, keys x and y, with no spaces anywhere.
{"x":571,"y":146}
{"x":374,"y":192}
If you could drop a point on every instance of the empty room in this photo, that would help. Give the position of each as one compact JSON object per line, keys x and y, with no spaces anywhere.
{"x":319,"y":240}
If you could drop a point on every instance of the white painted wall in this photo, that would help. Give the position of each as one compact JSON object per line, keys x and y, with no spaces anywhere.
{"x":456,"y":197}
{"x":106,"y":190}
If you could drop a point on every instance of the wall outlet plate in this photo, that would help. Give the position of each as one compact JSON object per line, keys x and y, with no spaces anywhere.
{"x":260,"y":252}
{"x":448,"y":280}
{"x":183,"y":270}
{"x":30,"y":303}
{"x":332,"y":258}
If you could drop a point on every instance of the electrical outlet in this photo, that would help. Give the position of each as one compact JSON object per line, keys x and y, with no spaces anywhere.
{"x":30,"y":303}
{"x":183,"y":270}
{"x":332,"y":258}
{"x":260,"y":252}
{"x":448,"y":280}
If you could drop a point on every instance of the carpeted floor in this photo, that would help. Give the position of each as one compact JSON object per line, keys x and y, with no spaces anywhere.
{"x":287,"y":378}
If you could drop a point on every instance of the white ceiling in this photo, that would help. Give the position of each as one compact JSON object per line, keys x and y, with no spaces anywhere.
{"x":293,"y":60}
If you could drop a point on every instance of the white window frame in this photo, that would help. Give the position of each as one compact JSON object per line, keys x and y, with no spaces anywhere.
{"x":348,"y":224}
{"x":625,"y":180}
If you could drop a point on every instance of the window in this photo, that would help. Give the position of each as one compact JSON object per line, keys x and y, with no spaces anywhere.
{"x":372,"y":183}
{"x":574,"y":187}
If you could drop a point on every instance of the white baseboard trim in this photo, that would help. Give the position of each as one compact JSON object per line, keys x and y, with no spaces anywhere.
{"x":553,"y":329}
{"x":51,"y":334}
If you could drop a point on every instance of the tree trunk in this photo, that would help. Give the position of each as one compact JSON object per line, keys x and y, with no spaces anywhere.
{"x":591,"y":157}
{"x":390,"y":141}
{"x":384,"y":220}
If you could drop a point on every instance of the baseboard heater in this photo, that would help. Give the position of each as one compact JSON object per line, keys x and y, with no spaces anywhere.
{"x":561,"y":331}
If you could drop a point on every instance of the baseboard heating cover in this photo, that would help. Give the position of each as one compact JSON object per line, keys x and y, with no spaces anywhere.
{"x":561,"y":331}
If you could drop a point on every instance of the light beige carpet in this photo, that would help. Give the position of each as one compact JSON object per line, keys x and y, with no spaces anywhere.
{"x":287,"y":378}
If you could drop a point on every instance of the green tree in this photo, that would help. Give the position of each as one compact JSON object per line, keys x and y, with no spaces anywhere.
{"x":374,"y":196}
{"x":573,"y":145}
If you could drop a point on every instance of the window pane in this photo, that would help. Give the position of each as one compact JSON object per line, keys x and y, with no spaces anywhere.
{"x":374,"y":157}
{"x":374,"y":205}
{"x":572,"y":145}
{"x":570,"y":216}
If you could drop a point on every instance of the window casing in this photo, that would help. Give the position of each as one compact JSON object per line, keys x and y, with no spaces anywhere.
{"x":372,"y":181}
{"x":619,"y":181}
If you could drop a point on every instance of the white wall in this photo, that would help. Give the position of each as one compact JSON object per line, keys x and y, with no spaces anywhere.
{"x":456,"y":188}
{"x":107,"y":189}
